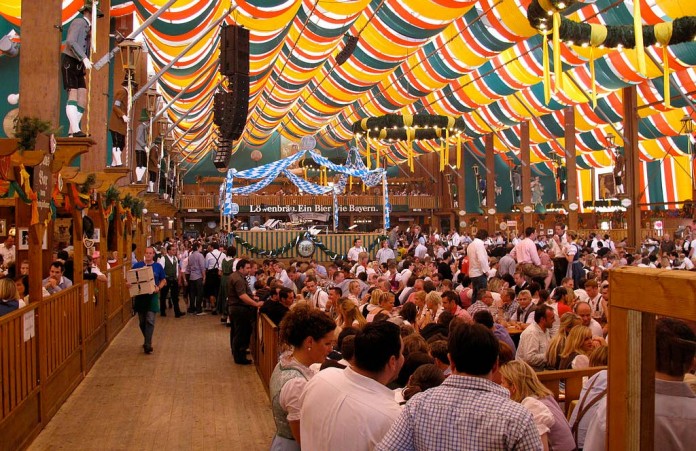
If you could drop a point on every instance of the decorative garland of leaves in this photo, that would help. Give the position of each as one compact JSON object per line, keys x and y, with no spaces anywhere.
{"x":409,"y":127}
{"x":288,"y":246}
{"x":137,"y":208}
{"x":86,"y":187}
{"x":683,"y":28}
{"x":112,"y":195}
{"x":26,"y":129}
{"x":127,"y":202}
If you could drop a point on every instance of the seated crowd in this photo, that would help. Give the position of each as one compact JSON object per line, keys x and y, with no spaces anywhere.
{"x":457,"y":337}
{"x":433,"y":324}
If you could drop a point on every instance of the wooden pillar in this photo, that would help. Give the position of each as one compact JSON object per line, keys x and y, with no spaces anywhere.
{"x":490,"y":182}
{"x":39,"y":96}
{"x":632,"y":182}
{"x":526,"y":173}
{"x":571,"y":170}
{"x":40,"y":83}
{"x":79,"y":248}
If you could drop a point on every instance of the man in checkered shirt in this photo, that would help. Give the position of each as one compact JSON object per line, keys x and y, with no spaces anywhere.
{"x":468,"y":411}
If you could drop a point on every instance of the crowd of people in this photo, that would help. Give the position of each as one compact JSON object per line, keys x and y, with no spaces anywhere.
{"x":432,"y":323}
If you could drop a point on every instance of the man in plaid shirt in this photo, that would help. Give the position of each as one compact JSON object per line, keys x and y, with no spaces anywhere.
{"x":468,"y":411}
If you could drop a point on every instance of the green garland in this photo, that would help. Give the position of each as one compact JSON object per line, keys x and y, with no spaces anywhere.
{"x":26,"y":129}
{"x":683,"y":28}
{"x":396,"y":126}
{"x":288,"y":246}
{"x":86,"y":187}
{"x":112,"y":195}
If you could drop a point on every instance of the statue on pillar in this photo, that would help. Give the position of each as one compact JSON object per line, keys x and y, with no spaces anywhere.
{"x":516,"y":180}
{"x":118,"y":120}
{"x":142,"y":139}
{"x":74,"y":62}
{"x":561,"y":180}
{"x":619,"y":171}
{"x":537,"y":192}
{"x":153,"y":166}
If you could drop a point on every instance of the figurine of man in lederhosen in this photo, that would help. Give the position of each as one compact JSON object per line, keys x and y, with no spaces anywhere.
{"x":118,"y":121}
{"x":142,"y":146}
{"x":74,"y":62}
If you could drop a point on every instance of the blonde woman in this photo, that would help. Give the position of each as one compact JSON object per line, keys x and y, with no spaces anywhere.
{"x":524,"y":386}
{"x":386,"y":305}
{"x":419,"y":300}
{"x":9,"y":298}
{"x":553,"y":352}
{"x":433,"y":308}
{"x":577,"y":349}
{"x":348,"y":315}
{"x":375,"y":296}
{"x":354,"y":292}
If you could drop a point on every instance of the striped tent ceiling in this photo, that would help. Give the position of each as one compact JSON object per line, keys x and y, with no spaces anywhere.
{"x":480,"y":60}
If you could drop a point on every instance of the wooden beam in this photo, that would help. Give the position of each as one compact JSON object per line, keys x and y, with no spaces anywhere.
{"x":27,"y":158}
{"x":526,"y":174}
{"x":631,"y":154}
{"x":490,"y":182}
{"x":8,"y":146}
{"x":110,"y":176}
{"x":68,"y":149}
{"x":571,"y":168}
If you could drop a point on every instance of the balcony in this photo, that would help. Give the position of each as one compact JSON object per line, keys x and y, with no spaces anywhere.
{"x":399,"y":203}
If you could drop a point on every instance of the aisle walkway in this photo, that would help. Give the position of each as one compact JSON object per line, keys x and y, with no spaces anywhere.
{"x":187,"y":395}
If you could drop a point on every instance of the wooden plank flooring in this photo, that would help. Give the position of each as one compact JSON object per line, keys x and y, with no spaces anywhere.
{"x":187,"y":395}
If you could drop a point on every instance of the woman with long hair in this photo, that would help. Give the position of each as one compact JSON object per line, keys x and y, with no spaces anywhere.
{"x":577,"y":349}
{"x":310,"y":334}
{"x":553,"y":352}
{"x":524,"y":386}
{"x":348,"y":315}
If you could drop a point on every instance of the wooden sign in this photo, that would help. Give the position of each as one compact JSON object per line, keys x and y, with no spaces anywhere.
{"x":42,"y":181}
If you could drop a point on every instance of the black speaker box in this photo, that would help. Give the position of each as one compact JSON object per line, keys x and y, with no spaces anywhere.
{"x":234,"y":50}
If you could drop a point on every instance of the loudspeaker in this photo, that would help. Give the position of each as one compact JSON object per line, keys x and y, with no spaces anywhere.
{"x":234,"y":50}
{"x":232,"y":117}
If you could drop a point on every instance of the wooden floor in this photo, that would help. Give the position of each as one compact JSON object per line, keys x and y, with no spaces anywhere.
{"x":186,"y":395}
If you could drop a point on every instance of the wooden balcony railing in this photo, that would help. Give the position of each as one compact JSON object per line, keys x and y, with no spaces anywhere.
{"x":199,"y":201}
{"x":210,"y":202}
{"x":38,"y":372}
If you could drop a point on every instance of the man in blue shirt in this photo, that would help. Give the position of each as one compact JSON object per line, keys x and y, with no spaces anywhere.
{"x":147,"y":305}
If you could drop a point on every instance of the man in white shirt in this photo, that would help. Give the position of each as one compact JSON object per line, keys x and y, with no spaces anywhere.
{"x":421,"y":251}
{"x":352,"y":409}
{"x":385,"y":253}
{"x":354,"y":252}
{"x":316,"y":296}
{"x":213,"y":260}
{"x":584,"y":311}
{"x":478,"y":262}
{"x":8,"y":249}
{"x":535,"y":339}
{"x":525,"y":251}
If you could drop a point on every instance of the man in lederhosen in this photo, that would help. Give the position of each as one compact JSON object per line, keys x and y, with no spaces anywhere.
{"x":74,"y":62}
{"x":118,"y":121}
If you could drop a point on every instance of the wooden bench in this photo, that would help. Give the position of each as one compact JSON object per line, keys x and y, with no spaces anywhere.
{"x":573,"y":380}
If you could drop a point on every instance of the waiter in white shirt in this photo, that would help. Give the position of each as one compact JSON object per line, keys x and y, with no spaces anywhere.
{"x":478,"y":262}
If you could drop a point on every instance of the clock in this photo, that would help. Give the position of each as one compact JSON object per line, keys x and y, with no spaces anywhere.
{"x":305,"y":248}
